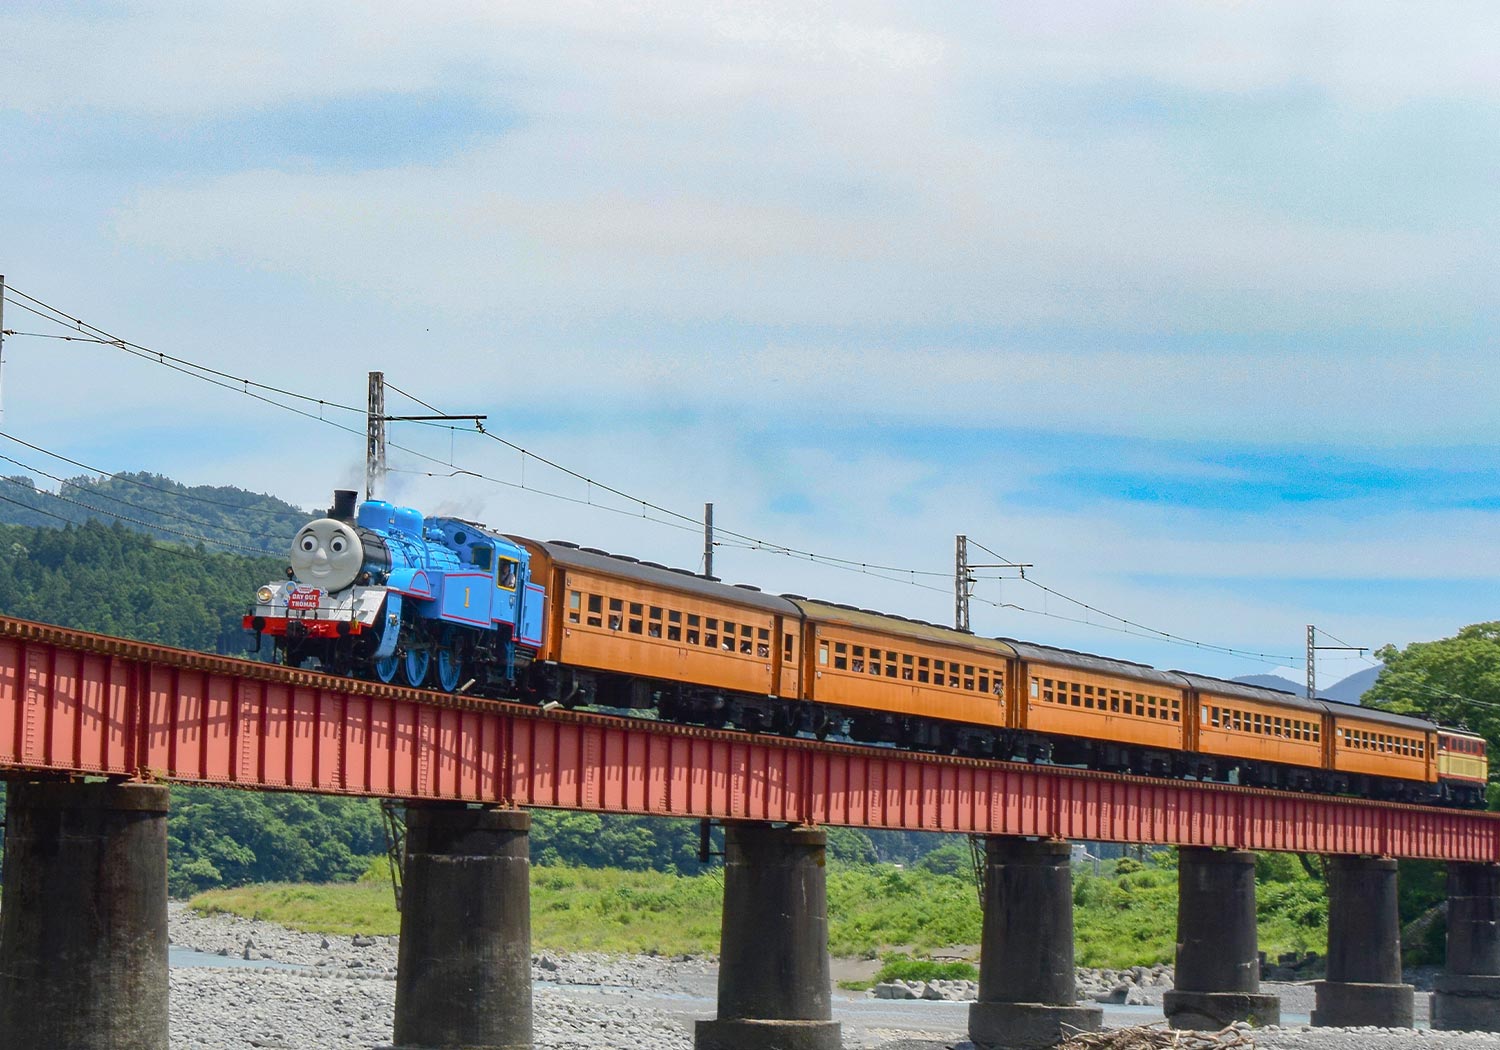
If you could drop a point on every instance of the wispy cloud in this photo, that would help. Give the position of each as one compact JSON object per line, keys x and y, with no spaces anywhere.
{"x":1191,"y":307}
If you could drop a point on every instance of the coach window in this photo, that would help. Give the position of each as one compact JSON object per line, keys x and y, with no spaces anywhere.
{"x":969,"y":677}
{"x":505,"y":577}
{"x":729,"y":629}
{"x":907,"y":666}
{"x":596,"y":611}
{"x":984,"y":682}
{"x":693,"y":623}
{"x":674,"y":625}
{"x":711,"y":632}
{"x":922,"y":669}
{"x":840,"y":656}
{"x":937,"y":672}
{"x":822,"y":654}
{"x":575,"y":604}
{"x":875,"y":662}
{"x":788,"y":653}
{"x":616,"y":608}
{"x":1176,"y":710}
{"x":747,"y":638}
{"x":763,"y":637}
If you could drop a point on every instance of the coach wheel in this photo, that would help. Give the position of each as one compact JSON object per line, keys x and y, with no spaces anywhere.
{"x":788,"y":720}
{"x":449,"y":664}
{"x":418,"y":660}
{"x":821,"y":724}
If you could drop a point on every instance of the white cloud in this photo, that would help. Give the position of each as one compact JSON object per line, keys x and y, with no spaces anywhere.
{"x":792,"y":217}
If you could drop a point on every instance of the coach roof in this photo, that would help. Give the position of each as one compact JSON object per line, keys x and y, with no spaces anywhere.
{"x":681,"y":580}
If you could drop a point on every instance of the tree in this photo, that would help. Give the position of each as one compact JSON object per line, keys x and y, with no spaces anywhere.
{"x":1455,"y":681}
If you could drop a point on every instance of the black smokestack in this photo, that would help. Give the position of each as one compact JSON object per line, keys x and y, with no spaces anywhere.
{"x":343,"y":504}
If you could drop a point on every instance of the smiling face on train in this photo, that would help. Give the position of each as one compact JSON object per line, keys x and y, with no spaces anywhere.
{"x":327,"y":553}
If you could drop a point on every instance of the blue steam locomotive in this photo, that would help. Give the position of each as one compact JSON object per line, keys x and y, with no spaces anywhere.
{"x":381,"y":591}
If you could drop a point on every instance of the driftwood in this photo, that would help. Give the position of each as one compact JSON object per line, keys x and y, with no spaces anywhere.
{"x":1157,"y":1036}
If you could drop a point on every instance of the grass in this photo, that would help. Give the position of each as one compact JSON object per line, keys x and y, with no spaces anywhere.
{"x":1128,"y":916}
{"x":1123,"y":917}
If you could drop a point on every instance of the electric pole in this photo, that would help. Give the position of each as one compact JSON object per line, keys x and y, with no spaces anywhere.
{"x":375,"y":421}
{"x":963,"y":585}
{"x":963,"y":580}
{"x":2,"y":346}
{"x":1312,"y":659}
{"x":708,"y":540}
{"x":375,"y":437}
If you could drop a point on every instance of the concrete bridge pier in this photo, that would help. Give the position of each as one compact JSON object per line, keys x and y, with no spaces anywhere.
{"x":1467,"y":997}
{"x":463,"y":974}
{"x":1027,"y":993}
{"x":1218,"y":962}
{"x":1364,"y":948}
{"x":83,"y":934}
{"x":774,"y":982}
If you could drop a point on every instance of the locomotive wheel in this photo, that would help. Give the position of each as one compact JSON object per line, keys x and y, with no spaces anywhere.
{"x":385,"y":668}
{"x":418,"y":660}
{"x":449,"y":664}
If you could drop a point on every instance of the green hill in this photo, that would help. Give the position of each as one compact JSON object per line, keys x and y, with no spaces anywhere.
{"x":221,"y":517}
{"x":110,"y":579}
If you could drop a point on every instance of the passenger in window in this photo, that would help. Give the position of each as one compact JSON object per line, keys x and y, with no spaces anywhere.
{"x":507,"y":573}
{"x":614,"y":622}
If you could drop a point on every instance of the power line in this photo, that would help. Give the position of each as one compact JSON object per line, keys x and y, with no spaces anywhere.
{"x":648,"y":508}
{"x":247,"y":386}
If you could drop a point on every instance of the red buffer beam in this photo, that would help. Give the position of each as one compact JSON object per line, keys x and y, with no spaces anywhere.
{"x":75,"y":703}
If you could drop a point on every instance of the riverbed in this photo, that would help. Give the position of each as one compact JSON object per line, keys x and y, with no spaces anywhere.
{"x":239,"y":984}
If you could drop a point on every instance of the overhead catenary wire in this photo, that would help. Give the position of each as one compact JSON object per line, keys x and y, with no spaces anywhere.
{"x":647,"y":508}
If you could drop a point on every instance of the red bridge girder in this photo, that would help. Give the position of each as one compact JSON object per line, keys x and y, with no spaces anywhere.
{"x":84,"y":704}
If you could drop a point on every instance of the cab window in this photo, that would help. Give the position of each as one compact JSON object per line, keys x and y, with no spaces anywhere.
{"x":505,"y":574}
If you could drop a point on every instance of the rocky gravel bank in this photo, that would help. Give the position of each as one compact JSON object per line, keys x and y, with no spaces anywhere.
{"x":268,"y":988}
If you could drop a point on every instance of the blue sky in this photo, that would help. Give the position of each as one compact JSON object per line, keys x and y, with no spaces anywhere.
{"x":1190,"y":308}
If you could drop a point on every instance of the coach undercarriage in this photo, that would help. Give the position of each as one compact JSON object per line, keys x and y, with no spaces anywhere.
{"x":692,"y":705}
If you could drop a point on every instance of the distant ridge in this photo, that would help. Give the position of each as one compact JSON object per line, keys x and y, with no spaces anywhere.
{"x":1272,"y":681}
{"x":1347,"y":691}
{"x":220,"y":517}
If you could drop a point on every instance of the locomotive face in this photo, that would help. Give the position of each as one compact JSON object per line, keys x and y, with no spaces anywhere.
{"x":327,"y":554}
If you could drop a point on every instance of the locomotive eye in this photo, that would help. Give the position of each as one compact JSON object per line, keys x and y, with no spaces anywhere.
{"x":337,"y":545}
{"x":309,"y":544}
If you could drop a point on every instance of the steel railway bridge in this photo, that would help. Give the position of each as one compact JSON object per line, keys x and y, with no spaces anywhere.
{"x":91,"y":727}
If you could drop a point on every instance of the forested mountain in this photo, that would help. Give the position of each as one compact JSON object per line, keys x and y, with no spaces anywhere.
{"x":110,"y":579}
{"x":221,"y":517}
